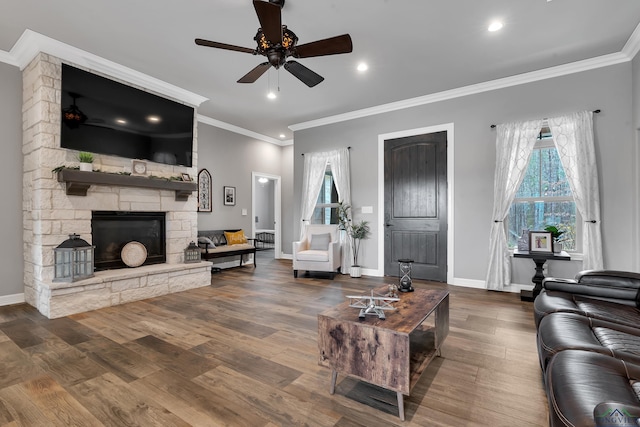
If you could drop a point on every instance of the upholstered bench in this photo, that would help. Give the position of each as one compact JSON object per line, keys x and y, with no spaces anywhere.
{"x":225,"y":243}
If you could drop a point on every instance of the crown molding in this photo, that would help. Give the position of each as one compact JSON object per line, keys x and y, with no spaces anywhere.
{"x":236,"y":129}
{"x":632,"y":46}
{"x":7,"y":58}
{"x":31,"y":43}
{"x":519,"y":79}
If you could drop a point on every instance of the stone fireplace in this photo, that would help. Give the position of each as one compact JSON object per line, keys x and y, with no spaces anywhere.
{"x":53,"y":208}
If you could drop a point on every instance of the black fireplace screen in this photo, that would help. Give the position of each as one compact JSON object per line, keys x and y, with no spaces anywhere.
{"x":112,"y":230}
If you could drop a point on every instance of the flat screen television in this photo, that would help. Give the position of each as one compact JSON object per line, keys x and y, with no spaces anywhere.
{"x":103,"y":116}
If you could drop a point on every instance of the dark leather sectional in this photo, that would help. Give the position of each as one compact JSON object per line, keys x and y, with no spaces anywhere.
{"x":589,"y":348}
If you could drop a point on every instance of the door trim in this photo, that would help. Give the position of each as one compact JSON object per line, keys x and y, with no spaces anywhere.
{"x":448,"y":127}
{"x":277,"y":204}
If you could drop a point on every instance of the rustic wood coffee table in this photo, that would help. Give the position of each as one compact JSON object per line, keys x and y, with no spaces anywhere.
{"x":391,"y":353}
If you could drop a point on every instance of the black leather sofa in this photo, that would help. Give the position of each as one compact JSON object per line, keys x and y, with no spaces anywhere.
{"x":588,"y":332}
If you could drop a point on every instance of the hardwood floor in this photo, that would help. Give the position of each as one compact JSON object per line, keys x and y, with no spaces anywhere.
{"x":243,"y":352}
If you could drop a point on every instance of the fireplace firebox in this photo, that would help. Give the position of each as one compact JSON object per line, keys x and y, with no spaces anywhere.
{"x":112,"y":230}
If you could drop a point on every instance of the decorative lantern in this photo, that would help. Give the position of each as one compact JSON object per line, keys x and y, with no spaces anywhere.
{"x":405,"y":275}
{"x":192,"y":253}
{"x":73,"y":260}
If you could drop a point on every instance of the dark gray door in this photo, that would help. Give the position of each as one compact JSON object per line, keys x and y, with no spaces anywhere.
{"x":415,"y":199}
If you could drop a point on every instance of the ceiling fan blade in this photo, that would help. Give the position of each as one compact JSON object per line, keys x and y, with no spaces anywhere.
{"x":253,"y":75}
{"x":270,"y":20}
{"x":208,"y":43}
{"x":304,"y":74}
{"x":330,"y":46}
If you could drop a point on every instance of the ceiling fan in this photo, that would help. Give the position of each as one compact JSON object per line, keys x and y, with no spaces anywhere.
{"x":277,"y":43}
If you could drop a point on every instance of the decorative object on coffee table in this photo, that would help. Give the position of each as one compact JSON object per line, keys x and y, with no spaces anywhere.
{"x":404,"y":265}
{"x":73,"y":260}
{"x":523,"y":241}
{"x":229,"y":196}
{"x":372,"y":304}
{"x":134,"y":254}
{"x":556,"y":235}
{"x":204,"y":191}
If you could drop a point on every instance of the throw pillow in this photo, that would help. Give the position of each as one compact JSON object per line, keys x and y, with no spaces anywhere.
{"x":203,"y":240}
{"x":320,"y":242}
{"x":235,"y":238}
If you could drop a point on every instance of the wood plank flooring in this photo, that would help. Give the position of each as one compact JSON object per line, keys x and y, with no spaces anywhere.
{"x":243,"y":352}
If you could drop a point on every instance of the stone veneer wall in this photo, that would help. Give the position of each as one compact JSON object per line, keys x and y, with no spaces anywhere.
{"x":50,"y":215}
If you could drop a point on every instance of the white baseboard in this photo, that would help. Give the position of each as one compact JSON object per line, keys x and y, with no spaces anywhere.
{"x":11,"y":299}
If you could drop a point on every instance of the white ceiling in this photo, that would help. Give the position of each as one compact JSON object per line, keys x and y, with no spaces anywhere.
{"x":414,"y":48}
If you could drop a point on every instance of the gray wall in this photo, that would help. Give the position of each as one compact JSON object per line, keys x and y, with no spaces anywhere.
{"x":11,"y":259}
{"x":231,"y":158}
{"x":288,"y":202}
{"x":474,"y":156}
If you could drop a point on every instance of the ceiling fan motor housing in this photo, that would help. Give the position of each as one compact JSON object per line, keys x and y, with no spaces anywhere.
{"x":278,"y":2}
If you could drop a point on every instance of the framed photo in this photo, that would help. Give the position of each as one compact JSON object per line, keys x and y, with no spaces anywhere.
{"x":540,"y":241}
{"x":186,"y":177}
{"x":204,"y":191}
{"x":229,"y":196}
{"x":138,"y":167}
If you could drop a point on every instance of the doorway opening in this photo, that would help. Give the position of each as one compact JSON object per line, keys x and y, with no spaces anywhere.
{"x":266,"y":212}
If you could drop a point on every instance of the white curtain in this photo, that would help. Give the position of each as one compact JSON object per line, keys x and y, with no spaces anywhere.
{"x":573,"y":136}
{"x":514,"y":145}
{"x":315,"y":165}
{"x":340,"y":167}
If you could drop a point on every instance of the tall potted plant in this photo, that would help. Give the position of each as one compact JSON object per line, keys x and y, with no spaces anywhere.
{"x":355,"y":232}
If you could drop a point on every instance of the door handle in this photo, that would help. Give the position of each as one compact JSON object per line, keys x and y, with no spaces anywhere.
{"x":389,"y":224}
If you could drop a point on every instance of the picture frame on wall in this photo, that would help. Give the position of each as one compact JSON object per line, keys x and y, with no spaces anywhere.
{"x":186,"y":177}
{"x":204,"y":191}
{"x":229,"y":196}
{"x":541,"y":242}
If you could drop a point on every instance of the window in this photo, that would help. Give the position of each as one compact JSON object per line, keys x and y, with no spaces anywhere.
{"x":544,"y":198}
{"x":326,"y":210}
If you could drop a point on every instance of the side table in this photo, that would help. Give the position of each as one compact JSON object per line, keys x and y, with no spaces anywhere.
{"x":539,"y":258}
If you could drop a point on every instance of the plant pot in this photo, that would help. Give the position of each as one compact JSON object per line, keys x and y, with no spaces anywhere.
{"x":557,"y":247}
{"x":86,"y":167}
{"x":355,"y":271}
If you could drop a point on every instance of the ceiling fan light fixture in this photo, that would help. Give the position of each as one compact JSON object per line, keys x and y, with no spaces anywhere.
{"x":362,"y":67}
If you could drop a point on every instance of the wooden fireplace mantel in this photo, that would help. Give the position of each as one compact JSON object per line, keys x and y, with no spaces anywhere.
{"x":78,"y":182}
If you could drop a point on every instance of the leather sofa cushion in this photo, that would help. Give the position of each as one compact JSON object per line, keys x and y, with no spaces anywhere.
{"x":579,"y":380}
{"x":562,"y":331}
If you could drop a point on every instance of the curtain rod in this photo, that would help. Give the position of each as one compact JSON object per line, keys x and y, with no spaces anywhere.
{"x":348,"y":148}
{"x":595,"y":111}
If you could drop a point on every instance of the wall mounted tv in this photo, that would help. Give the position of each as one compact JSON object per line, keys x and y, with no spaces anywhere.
{"x":103,"y":116}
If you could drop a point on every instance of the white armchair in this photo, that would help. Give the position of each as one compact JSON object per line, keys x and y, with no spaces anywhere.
{"x":318,"y":251}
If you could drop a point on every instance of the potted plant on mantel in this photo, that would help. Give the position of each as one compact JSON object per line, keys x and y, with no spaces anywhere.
{"x":86,"y":160}
{"x":555,"y":234}
{"x":356,"y":233}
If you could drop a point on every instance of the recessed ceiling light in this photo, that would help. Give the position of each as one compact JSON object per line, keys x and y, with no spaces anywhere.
{"x":362,"y":67}
{"x":271,"y":95}
{"x":282,"y":136}
{"x":495,"y":26}
{"x":154,"y":119}
{"x":121,"y":121}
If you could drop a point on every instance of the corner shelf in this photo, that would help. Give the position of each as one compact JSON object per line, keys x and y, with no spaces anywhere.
{"x":78,"y":182}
